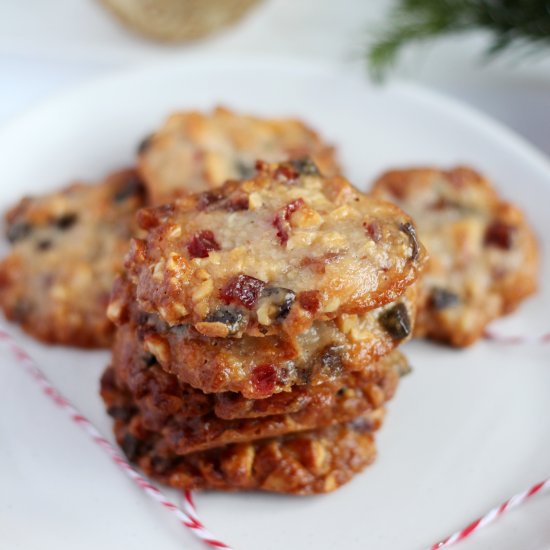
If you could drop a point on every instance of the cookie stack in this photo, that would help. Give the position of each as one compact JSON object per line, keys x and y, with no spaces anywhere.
{"x":257,"y":332}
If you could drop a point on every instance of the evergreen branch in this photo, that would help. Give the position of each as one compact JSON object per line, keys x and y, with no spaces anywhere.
{"x":509,"y":21}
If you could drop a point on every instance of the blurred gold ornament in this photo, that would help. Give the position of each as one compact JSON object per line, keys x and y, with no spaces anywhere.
{"x":177,"y":20}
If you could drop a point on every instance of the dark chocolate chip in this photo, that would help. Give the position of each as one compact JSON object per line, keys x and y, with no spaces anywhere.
{"x":281,"y":298}
{"x":144,"y":144}
{"x":131,"y":447}
{"x":44,"y":245}
{"x":121,"y":413}
{"x":161,"y":464}
{"x":17,"y":231}
{"x":21,"y":311}
{"x":233,"y":318}
{"x":149,"y":359}
{"x":131,"y":187}
{"x":66,"y":221}
{"x":362,"y":425}
{"x":331,"y":361}
{"x":403,"y":369}
{"x":304,"y":376}
{"x":410,"y":230}
{"x":440,"y":298}
{"x":396,"y":322}
{"x":305,"y":166}
{"x":245,"y":170}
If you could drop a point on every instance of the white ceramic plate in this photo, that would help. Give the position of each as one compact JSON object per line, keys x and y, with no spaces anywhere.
{"x":466,"y":430}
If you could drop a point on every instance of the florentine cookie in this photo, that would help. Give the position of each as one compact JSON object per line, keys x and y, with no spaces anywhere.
{"x":67,"y":247}
{"x":259,"y":367}
{"x":187,"y":418}
{"x":317,"y":461}
{"x":483,"y":254}
{"x":196,"y":152}
{"x":272,"y":254}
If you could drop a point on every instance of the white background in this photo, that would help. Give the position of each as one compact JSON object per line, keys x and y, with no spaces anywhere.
{"x":49,"y":45}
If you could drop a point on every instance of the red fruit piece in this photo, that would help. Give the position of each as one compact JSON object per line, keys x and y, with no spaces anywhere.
{"x":500,"y":235}
{"x":309,"y":300}
{"x":373,"y":231}
{"x":264,"y":378}
{"x":202,"y":243}
{"x":280,"y":222}
{"x":242,"y":289}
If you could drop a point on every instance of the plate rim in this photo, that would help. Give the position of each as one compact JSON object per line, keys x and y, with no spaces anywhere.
{"x":451,"y":106}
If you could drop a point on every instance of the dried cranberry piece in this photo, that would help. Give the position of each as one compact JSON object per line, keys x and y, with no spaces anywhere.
{"x":280,"y":222}
{"x":441,"y":298}
{"x":207,"y":198}
{"x":202,"y":243}
{"x":286,"y":173}
{"x":309,"y":300}
{"x":264,"y":378}
{"x":396,"y":322}
{"x":410,"y":230}
{"x":242,"y":289}
{"x":373,"y":231}
{"x":234,"y":319}
{"x":500,"y":235}
{"x":237,"y":202}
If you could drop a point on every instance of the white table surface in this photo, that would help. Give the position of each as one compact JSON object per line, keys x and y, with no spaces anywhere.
{"x":47,"y":46}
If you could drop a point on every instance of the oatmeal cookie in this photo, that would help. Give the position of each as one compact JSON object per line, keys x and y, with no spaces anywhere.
{"x":67,"y":247}
{"x":259,"y":367}
{"x":187,"y":418}
{"x":483,"y":254}
{"x":272,"y":254}
{"x":194,"y":152}
{"x":317,"y":461}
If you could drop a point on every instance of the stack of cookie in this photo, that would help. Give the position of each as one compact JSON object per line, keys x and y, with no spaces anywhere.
{"x":257,"y":332}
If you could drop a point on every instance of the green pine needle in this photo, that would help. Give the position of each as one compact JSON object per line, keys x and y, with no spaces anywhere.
{"x":525,"y":22}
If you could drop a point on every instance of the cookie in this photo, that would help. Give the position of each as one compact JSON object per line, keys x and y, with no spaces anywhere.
{"x":317,"y":461}
{"x":259,"y":367}
{"x":271,"y":255}
{"x":187,"y":417}
{"x":483,"y":254}
{"x":67,"y":247}
{"x":194,"y":152}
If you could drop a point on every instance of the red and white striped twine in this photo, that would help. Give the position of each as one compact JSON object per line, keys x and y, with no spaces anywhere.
{"x":492,"y":515}
{"x":189,"y":518}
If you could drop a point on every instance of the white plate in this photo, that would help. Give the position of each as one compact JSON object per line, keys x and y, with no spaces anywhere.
{"x":466,"y":430}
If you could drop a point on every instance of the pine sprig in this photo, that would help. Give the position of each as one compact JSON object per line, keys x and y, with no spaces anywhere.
{"x":524,"y":22}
